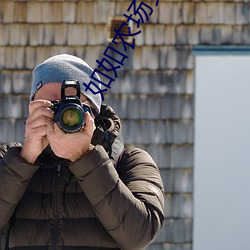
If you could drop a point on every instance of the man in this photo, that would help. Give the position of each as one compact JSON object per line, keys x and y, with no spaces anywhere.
{"x":78,"y":190}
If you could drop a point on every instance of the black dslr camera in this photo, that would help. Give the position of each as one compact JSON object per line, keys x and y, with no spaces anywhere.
{"x":70,"y":111}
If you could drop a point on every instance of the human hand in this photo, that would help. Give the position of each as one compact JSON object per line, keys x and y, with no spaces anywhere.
{"x":35,"y":140}
{"x":71,"y":146}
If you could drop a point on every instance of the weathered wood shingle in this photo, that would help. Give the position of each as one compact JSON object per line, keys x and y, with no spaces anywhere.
{"x":21,"y":82}
{"x":34,"y":11}
{"x":20,"y":12}
{"x":6,"y":83}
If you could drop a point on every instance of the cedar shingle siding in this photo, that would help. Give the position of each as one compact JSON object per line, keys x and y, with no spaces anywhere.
{"x":153,"y":92}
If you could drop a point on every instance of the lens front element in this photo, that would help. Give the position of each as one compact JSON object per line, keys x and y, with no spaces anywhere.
{"x":70,"y":117}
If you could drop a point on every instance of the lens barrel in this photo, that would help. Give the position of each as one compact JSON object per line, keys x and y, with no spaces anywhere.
{"x":70,"y":117}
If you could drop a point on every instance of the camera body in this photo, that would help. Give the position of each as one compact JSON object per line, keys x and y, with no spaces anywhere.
{"x":70,"y":112}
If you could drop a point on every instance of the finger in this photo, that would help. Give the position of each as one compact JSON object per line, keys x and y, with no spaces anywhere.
{"x":38,"y":122}
{"x":37,"y":132}
{"x":41,"y":111}
{"x":38,"y":103}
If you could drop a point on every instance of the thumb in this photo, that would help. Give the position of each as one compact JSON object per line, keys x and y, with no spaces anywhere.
{"x":89,"y":124}
{"x":50,"y":129}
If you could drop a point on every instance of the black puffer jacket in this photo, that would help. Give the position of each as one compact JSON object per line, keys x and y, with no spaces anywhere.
{"x":94,"y":203}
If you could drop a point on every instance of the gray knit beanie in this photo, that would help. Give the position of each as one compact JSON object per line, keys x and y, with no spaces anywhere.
{"x":66,"y":67}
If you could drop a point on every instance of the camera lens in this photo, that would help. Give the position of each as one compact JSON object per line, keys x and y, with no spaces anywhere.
{"x":70,"y":117}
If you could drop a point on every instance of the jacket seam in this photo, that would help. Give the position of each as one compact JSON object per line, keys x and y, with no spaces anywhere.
{"x":89,"y":173}
{"x":7,"y":202}
{"x":111,"y":190}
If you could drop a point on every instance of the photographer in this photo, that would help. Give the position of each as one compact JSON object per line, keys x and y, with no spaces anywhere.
{"x":75,"y":189}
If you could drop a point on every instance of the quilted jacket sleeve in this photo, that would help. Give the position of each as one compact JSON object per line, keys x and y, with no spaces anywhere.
{"x":128,"y":201}
{"x":15,"y":174}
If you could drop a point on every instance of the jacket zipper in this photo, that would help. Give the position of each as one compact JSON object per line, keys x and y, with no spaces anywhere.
{"x":56,"y":232}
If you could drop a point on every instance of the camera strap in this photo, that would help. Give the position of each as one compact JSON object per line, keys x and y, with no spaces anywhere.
{"x":106,"y":133}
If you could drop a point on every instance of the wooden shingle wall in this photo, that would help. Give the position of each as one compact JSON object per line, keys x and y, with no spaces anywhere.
{"x":153,"y":92}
